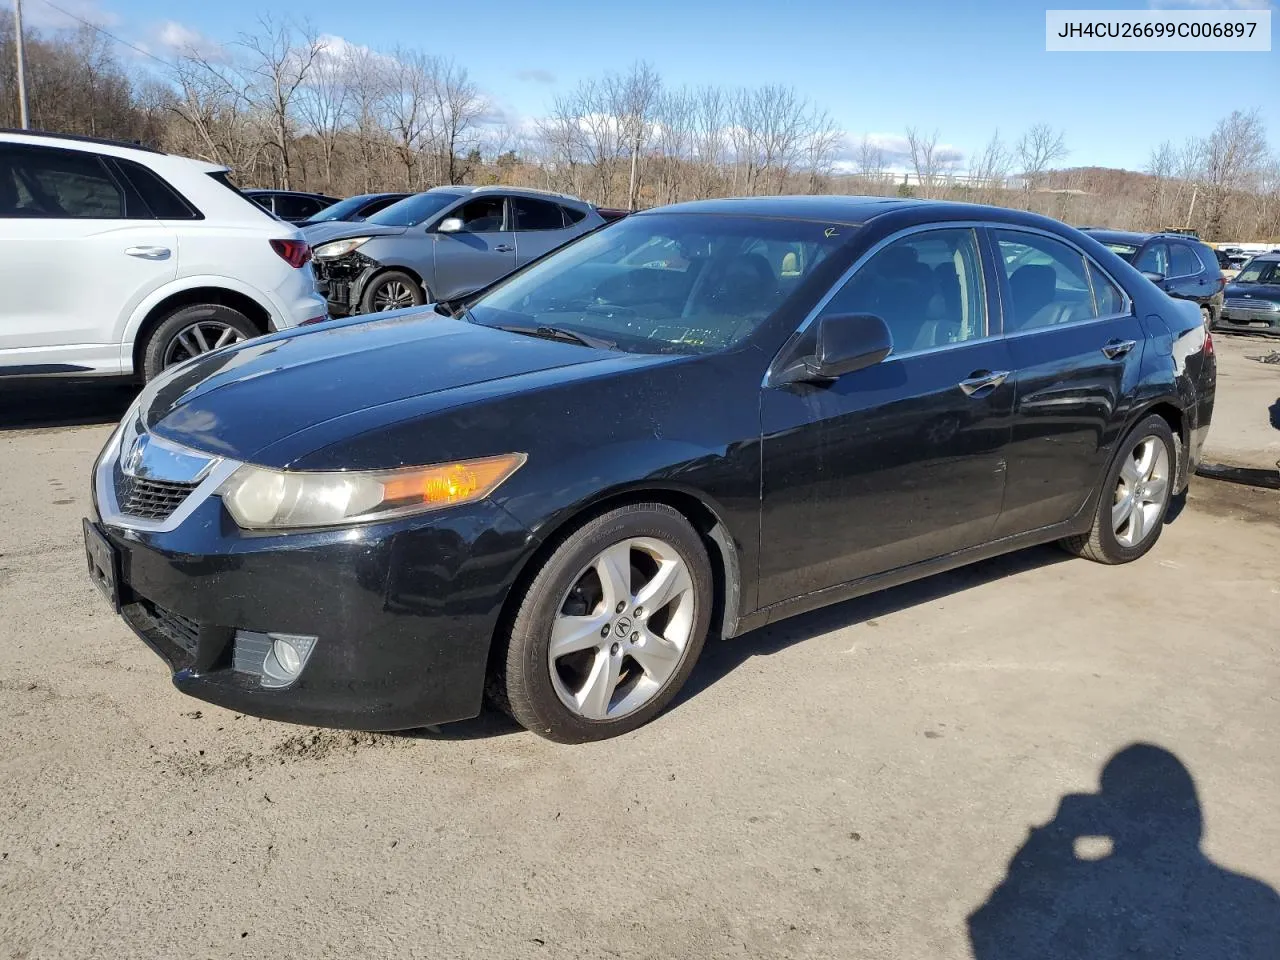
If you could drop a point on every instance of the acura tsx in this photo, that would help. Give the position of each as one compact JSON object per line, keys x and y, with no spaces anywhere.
{"x":689,"y":423}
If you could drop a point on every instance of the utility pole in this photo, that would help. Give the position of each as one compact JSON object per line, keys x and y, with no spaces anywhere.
{"x":1192,"y":209}
{"x":635,"y":157}
{"x":22,"y":69}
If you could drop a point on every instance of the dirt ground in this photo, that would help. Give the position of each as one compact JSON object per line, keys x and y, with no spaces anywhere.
{"x":1246,"y":418}
{"x":852,"y":783}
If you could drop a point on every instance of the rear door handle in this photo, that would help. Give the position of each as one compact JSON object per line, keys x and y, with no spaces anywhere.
{"x":504,"y":248}
{"x":148,"y":253}
{"x":982,"y":380}
{"x":1115,"y":349}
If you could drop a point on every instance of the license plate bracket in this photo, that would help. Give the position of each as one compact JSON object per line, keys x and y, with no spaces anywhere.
{"x":103,"y":562}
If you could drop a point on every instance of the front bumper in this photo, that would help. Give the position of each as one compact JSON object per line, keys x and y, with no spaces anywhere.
{"x":1248,"y":321}
{"x":404,"y":612}
{"x":341,"y":281}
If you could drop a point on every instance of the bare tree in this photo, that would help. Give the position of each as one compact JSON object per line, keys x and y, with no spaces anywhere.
{"x":459,"y":107}
{"x":709,"y":140}
{"x":632,"y":100}
{"x":926,"y":159}
{"x":674,"y":125}
{"x":406,"y":109}
{"x":990,"y":169}
{"x":280,"y":60}
{"x":822,"y":139}
{"x":324,"y":105}
{"x":1234,"y":157}
{"x":870,"y":161}
{"x":1037,"y":151}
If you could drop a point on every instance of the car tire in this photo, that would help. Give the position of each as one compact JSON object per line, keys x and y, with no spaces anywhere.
{"x":1130,"y":496}
{"x":192,"y":330}
{"x":643,"y":657}
{"x":393,"y":290}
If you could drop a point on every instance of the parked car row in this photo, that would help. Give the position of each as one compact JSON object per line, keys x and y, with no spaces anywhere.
{"x":120,"y":261}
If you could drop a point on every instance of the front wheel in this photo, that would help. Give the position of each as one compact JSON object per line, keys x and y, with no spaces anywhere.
{"x":1134,"y":499}
{"x":393,"y":290}
{"x":610,"y":627}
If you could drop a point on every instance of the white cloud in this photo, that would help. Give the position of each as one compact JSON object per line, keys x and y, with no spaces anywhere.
{"x":536,"y":76}
{"x":172,"y":37}
{"x":896,"y":150}
{"x":41,"y":16}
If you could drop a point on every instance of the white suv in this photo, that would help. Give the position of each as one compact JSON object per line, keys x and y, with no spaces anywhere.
{"x":118,"y":260}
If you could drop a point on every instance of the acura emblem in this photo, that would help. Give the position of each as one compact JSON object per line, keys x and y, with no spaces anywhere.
{"x":134,"y":460}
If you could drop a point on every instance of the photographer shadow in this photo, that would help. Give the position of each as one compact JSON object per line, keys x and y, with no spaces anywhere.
{"x":1120,"y":873}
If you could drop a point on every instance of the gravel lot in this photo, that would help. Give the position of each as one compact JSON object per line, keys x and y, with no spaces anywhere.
{"x":1246,"y":418}
{"x":853,"y":783}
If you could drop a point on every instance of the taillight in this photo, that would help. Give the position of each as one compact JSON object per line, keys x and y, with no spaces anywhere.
{"x":1208,"y":344}
{"x":296,"y":253}
{"x":314,"y":320}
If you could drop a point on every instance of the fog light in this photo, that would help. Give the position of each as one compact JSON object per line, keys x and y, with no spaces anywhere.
{"x":289,"y":654}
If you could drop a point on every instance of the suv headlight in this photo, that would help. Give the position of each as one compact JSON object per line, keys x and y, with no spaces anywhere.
{"x":259,"y":498}
{"x":338,"y":248}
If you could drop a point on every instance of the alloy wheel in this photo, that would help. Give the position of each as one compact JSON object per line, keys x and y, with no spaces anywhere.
{"x":1142,"y":490}
{"x":392,"y":295}
{"x":199,"y":338}
{"x":622,"y":629}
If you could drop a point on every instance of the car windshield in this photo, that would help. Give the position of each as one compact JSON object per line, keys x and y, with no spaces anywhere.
{"x":666,"y":283}
{"x":1260,"y":271}
{"x":340,"y":210}
{"x":412,"y":211}
{"x":1123,"y":250}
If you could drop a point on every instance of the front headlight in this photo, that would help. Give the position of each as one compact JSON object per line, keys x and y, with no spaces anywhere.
{"x":338,"y":248}
{"x":262,"y":499}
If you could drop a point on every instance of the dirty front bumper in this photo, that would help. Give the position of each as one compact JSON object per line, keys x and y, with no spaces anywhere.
{"x":402,"y":613}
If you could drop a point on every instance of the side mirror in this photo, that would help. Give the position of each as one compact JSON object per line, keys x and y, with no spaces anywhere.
{"x":1153,"y":276}
{"x":842,"y":343}
{"x":449,"y":225}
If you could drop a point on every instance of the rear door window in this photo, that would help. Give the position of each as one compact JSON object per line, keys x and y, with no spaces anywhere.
{"x":294,"y":207}
{"x":1183,"y":261}
{"x":537,"y":214}
{"x":1048,"y":281}
{"x":1154,"y":259}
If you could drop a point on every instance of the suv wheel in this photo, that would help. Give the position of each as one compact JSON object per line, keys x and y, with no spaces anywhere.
{"x":393,"y":290}
{"x":191,"y":331}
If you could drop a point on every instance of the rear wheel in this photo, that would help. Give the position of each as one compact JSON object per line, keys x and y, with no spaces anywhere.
{"x":1135,"y":497}
{"x":191,"y":331}
{"x":393,"y":290}
{"x":610,"y":627}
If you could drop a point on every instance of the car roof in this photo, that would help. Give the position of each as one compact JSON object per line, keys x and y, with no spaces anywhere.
{"x":1137,"y":237}
{"x":856,"y":211}
{"x":101,"y":145}
{"x":462,"y":190}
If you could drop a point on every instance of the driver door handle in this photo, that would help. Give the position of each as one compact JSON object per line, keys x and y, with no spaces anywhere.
{"x":148,"y":253}
{"x":981,"y":380}
{"x":504,"y":248}
{"x":1115,"y":349}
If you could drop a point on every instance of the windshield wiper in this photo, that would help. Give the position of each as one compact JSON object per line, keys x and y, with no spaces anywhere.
{"x":558,"y":333}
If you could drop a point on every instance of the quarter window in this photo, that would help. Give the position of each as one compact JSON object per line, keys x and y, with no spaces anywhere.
{"x":61,"y":184}
{"x":537,"y":214}
{"x":163,"y":200}
{"x":1048,"y":283}
{"x":1107,"y":297}
{"x":927,"y":287}
{"x":1183,"y":261}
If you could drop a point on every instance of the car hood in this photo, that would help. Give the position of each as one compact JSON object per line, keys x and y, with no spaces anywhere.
{"x":239,"y":401}
{"x":318,"y":233}
{"x":1256,"y":291}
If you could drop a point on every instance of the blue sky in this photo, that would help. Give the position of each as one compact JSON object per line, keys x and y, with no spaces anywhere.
{"x":964,"y":68}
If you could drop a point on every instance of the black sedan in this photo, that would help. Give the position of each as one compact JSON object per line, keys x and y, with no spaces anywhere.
{"x":353,"y":209}
{"x":690,"y":423}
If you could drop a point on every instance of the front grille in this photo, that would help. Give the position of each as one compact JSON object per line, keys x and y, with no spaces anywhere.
{"x":1252,"y":306}
{"x":149,"y":499}
{"x":183,"y":631}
